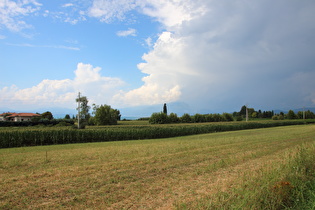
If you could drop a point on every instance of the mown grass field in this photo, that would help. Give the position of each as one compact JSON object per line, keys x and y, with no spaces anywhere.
{"x":251,"y":169}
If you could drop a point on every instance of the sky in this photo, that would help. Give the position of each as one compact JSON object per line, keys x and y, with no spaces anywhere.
{"x":198,"y":56}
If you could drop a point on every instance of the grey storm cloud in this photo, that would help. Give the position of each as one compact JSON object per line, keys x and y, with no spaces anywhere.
{"x":256,"y":52}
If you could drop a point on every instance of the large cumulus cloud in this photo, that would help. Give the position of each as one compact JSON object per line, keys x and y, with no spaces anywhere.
{"x":62,"y":93}
{"x":232,"y":53}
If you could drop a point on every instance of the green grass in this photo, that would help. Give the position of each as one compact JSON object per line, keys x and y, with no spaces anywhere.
{"x":246,"y":169}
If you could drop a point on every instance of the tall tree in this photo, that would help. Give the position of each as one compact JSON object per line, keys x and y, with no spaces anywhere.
{"x":291,"y":115}
{"x":165,"y":109}
{"x":243,"y":111}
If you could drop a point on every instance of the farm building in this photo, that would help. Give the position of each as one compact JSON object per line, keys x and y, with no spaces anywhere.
{"x":17,"y":117}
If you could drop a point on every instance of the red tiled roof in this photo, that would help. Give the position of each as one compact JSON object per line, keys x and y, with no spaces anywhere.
{"x":20,"y":114}
{"x":24,"y":115}
{"x":6,"y":113}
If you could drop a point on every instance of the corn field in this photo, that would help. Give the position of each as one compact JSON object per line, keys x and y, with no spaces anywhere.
{"x":18,"y":137}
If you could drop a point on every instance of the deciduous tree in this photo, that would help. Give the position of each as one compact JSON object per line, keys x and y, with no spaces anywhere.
{"x":105,"y":115}
{"x":291,"y":115}
{"x":47,"y":115}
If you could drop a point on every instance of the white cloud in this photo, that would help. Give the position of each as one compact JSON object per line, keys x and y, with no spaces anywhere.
{"x":62,"y":93}
{"x":172,"y":13}
{"x":68,"y":13}
{"x":162,"y":85}
{"x":46,"y":13}
{"x":107,"y":10}
{"x":68,"y":5}
{"x":12,"y":12}
{"x":148,"y":42}
{"x":169,"y":13}
{"x":129,"y":32}
{"x":45,"y":46}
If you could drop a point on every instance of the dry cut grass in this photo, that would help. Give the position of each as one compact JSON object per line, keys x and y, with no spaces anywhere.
{"x":192,"y":172}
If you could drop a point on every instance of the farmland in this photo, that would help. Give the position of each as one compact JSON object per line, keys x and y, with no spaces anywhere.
{"x":257,"y":168}
{"x":34,"y":136}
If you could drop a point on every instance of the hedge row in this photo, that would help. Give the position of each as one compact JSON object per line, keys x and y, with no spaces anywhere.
{"x":33,"y":123}
{"x":162,"y":118}
{"x":29,"y":137}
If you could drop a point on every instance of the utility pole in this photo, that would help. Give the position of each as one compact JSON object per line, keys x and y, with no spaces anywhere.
{"x":79,"y":106}
{"x":246,"y":113}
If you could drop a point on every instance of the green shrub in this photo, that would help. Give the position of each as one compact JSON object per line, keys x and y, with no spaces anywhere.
{"x":185,"y":118}
{"x":239,"y":118}
{"x":291,"y":115}
{"x":228,"y":117}
{"x":158,"y":118}
{"x":197,"y":118}
{"x":278,"y":117}
{"x":173,"y":118}
{"x":62,"y":124}
{"x":209,"y":118}
{"x":217,"y":118}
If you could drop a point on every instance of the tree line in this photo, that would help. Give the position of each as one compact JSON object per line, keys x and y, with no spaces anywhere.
{"x":106,"y":115}
{"x":251,"y":113}
{"x":164,"y":118}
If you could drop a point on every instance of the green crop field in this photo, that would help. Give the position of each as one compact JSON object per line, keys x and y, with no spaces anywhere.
{"x":269,"y":168}
{"x":135,"y":130}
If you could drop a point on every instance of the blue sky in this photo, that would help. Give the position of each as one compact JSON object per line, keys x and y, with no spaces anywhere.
{"x":199,"y":55}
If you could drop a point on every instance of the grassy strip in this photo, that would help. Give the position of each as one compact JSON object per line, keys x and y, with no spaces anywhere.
{"x":253,"y":169}
{"x":302,"y":176}
{"x":288,"y":185}
{"x":33,"y":137}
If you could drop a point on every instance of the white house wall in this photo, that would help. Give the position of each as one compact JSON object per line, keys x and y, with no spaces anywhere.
{"x":19,"y":119}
